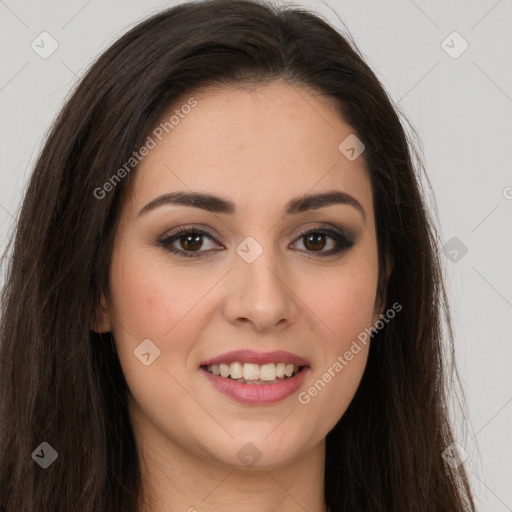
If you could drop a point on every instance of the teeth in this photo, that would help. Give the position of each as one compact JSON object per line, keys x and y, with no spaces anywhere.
{"x":224,"y":370}
{"x":250,"y":371}
{"x":288,"y":370}
{"x":254,"y":372}
{"x":236,"y":370}
{"x":268,"y":372}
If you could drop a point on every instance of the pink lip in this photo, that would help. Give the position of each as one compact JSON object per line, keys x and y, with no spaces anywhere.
{"x":251,"y":356}
{"x":257,"y":394}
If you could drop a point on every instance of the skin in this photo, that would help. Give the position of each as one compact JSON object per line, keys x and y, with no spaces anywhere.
{"x":258,"y":148}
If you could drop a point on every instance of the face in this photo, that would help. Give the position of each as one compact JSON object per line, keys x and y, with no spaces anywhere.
{"x":261,"y":270}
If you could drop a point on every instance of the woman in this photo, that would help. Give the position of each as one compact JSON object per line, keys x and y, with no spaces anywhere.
{"x":224,"y":288}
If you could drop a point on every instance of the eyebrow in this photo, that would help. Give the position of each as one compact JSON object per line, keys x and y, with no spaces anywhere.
{"x":216,"y":204}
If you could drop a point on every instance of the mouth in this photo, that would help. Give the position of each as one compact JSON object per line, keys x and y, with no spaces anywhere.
{"x":256,"y":378}
{"x":254,"y":374}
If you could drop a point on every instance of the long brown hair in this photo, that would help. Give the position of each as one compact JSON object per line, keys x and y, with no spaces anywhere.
{"x":62,"y":384}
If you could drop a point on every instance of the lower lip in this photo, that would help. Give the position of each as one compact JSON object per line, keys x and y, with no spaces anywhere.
{"x":257,"y":393}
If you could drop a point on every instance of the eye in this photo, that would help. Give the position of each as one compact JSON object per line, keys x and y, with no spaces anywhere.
{"x":315,"y":240}
{"x":190,"y":241}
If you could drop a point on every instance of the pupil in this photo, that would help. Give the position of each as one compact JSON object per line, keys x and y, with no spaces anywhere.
{"x":315,"y":242}
{"x":194,"y":245}
{"x":315,"y":239}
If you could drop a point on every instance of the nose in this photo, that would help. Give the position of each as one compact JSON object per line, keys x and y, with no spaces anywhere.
{"x":260,"y":294}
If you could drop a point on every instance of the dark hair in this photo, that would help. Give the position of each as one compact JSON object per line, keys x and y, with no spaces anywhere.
{"x":60,"y":383}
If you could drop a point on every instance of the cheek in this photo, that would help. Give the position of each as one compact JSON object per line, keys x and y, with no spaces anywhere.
{"x":153,"y":303}
{"x":344,"y":299}
{"x":150,"y":298}
{"x":149,"y":303}
{"x":157,"y":301}
{"x":344,"y":304}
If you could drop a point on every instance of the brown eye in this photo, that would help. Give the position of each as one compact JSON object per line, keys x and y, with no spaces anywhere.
{"x":315,"y":241}
{"x":191,"y":242}
{"x":187,"y":242}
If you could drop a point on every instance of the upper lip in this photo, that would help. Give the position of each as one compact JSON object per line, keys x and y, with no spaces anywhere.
{"x":251,"y":356}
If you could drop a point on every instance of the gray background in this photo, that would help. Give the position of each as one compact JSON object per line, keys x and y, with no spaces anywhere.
{"x":460,"y":107}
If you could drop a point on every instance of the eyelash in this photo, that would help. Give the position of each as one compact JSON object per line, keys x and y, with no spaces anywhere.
{"x":343,"y":241}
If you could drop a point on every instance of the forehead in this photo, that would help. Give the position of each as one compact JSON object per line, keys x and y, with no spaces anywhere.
{"x":258,"y":146}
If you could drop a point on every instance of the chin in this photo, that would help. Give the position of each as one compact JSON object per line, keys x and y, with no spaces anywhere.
{"x":256,"y":452}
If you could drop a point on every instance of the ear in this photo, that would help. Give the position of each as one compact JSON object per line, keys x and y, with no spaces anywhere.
{"x":380,"y":301}
{"x":102,"y":320}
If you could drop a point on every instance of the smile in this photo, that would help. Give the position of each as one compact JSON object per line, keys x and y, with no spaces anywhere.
{"x":251,"y":373}
{"x":256,"y":378}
